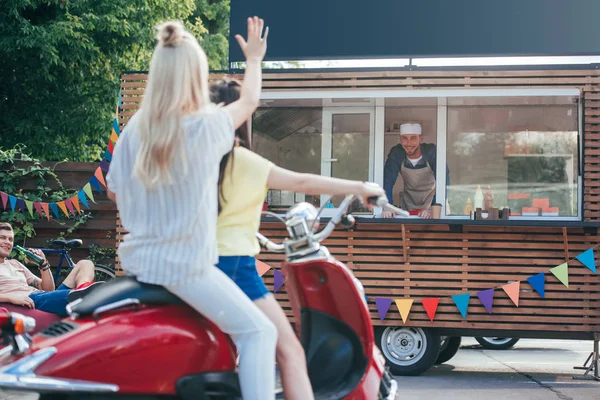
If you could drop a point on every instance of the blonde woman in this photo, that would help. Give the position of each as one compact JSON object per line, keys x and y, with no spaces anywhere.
{"x":163,"y":177}
{"x":244,"y":179}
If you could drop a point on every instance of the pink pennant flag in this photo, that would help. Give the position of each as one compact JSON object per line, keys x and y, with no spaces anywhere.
{"x":69,"y":205}
{"x":4,"y":199}
{"x":99,"y":176}
{"x":38,"y":208}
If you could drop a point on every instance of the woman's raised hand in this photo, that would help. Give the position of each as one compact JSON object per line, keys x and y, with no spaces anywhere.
{"x":255,"y":48}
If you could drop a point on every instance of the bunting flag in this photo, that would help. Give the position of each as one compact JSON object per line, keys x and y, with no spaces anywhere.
{"x":99,"y":176}
{"x":4,"y":199}
{"x":70,"y":206}
{"x":13,"y":202}
{"x":512,"y":290}
{"x":487,"y":298}
{"x":537,"y":282}
{"x":45,"y":208}
{"x":96,"y":184}
{"x":430,"y":305}
{"x":111,"y":147}
{"x":82,"y":199}
{"x":113,"y":136}
{"x":277,"y":280}
{"x":38,"y":208}
{"x":54,"y":208}
{"x":104,"y":165}
{"x":561,"y":273}
{"x":75,"y":201}
{"x":383,"y":305}
{"x":21,"y":205}
{"x":87,"y":189}
{"x":63,"y":207}
{"x":404,"y":306}
{"x":262,"y":267}
{"x":586,"y":258}
{"x":462,"y":303}
{"x":29,"y":207}
{"x":116,"y":125}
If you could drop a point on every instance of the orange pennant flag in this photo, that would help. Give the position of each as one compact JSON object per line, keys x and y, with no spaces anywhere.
{"x":75,"y":201}
{"x":46,"y":210}
{"x":99,"y":176}
{"x":512,"y":290}
{"x":262,"y":267}
{"x":113,"y":136}
{"x":63,"y":207}
{"x":404,"y":306}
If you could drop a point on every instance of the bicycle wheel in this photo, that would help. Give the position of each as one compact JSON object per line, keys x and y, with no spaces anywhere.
{"x":102,"y":273}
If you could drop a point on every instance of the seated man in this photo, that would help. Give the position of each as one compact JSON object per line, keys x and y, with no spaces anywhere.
{"x":19,"y":286}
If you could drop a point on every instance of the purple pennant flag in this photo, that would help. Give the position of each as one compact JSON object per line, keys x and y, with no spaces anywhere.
{"x":104,"y":165}
{"x":383,"y":305}
{"x":21,"y":204}
{"x":277,"y":280}
{"x":487,"y":298}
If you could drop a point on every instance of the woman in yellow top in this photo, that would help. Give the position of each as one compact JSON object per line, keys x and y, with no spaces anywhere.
{"x":245,"y":177}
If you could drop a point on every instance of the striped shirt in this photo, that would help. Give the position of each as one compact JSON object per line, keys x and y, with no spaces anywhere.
{"x":171,"y":228}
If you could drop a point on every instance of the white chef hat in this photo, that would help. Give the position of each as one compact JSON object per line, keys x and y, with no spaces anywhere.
{"x":410,"y":129}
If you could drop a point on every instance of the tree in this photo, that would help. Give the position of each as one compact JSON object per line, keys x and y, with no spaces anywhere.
{"x":60,"y":63}
{"x":213,"y":15}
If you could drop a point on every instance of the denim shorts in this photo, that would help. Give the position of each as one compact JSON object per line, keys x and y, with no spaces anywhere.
{"x":242,"y":270}
{"x":54,"y":302}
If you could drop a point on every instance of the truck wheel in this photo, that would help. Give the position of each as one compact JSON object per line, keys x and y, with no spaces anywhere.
{"x":448,"y":348}
{"x":408,"y":351}
{"x":496,"y":343}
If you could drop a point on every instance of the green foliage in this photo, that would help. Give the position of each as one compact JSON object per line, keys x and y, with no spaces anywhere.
{"x":60,"y":62}
{"x":213,"y":16}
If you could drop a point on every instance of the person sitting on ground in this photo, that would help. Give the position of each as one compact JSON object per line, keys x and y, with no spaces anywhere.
{"x":20,"y":286}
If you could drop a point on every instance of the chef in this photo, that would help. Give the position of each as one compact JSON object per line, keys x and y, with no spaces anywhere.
{"x":415,"y":161}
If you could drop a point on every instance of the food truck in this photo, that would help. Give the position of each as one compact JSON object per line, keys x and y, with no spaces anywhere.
{"x":515,"y":156}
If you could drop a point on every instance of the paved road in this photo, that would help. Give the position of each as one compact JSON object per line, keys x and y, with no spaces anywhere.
{"x":533,"y":370}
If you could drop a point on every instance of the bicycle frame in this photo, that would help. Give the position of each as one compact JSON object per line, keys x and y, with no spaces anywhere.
{"x":64,"y":255}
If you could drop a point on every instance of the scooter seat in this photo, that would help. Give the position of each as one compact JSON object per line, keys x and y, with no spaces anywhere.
{"x":121,"y":289}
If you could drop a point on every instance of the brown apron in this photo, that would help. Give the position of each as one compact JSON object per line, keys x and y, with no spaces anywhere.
{"x":419,"y":187}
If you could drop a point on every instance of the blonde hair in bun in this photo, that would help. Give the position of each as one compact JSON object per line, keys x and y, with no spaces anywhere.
{"x":170,"y":33}
{"x":177,"y":85}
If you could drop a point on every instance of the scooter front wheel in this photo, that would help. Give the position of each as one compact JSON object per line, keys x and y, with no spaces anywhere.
{"x":408,"y":351}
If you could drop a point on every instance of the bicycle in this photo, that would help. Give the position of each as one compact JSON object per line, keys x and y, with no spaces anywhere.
{"x":101,"y":272}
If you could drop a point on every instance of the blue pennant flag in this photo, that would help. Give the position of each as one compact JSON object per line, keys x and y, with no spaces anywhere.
{"x":13,"y":202}
{"x":116,"y":127}
{"x":82,"y":198}
{"x":107,"y":156}
{"x":96,"y":184}
{"x":21,"y":204}
{"x":537,"y":282}
{"x":462,"y":303}
{"x":587,"y":259}
{"x":54,"y":209}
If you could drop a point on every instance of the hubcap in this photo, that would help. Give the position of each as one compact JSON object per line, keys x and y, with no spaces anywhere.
{"x":403,"y":346}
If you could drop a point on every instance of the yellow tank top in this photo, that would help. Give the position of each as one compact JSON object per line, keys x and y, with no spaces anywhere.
{"x":243,"y":194}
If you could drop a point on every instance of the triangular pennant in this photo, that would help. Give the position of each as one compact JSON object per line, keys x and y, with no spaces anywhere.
{"x":38,"y":208}
{"x":116,"y":127}
{"x":88,"y":191}
{"x":430,"y":306}
{"x":99,"y":176}
{"x":94,"y":182}
{"x":29,"y":205}
{"x":512,"y":290}
{"x":113,"y":136}
{"x":45,"y":208}
{"x":383,"y":305}
{"x":70,"y":207}
{"x":404,"y":306}
{"x":111,"y":147}
{"x":586,"y":258}
{"x":21,"y":205}
{"x":55,"y":210}
{"x":537,"y":282}
{"x":63,"y":207}
{"x":82,"y":198}
{"x":262,"y":267}
{"x":75,"y":201}
{"x":105,"y":165}
{"x":107,"y":156}
{"x":462,"y":303}
{"x":487,"y":299}
{"x":561,"y":273}
{"x":13,"y":202}
{"x":277,"y":280}
{"x":4,"y":199}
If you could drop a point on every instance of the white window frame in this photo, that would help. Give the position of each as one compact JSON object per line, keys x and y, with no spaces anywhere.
{"x":376,"y":154}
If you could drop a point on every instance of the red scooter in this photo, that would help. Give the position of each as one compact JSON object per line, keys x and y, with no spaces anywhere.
{"x":130,"y":340}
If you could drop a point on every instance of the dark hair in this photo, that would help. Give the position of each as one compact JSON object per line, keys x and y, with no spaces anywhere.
{"x":225,"y":92}
{"x":5,"y":226}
